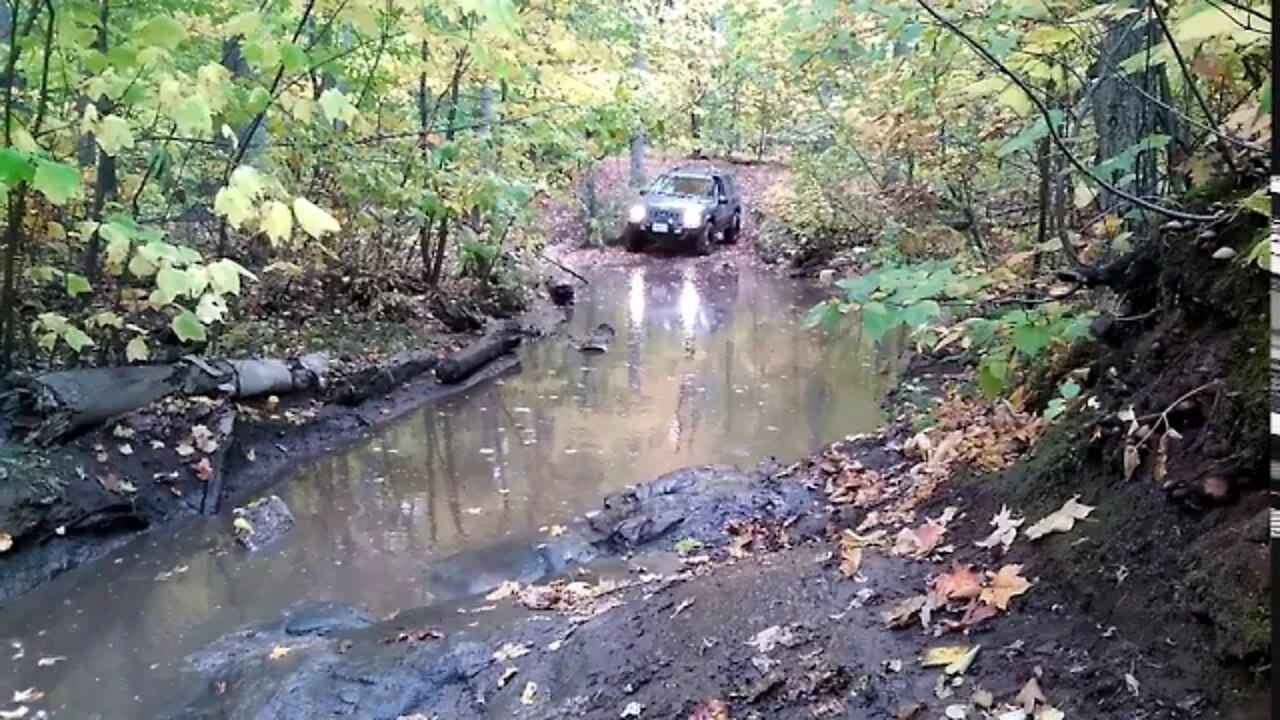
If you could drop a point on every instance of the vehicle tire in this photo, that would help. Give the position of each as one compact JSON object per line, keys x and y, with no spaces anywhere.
{"x":702,"y":241}
{"x":634,"y":241}
{"x":732,"y":232}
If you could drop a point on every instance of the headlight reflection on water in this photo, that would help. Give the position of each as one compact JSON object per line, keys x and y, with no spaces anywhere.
{"x":690,"y":304}
{"x":635,"y":299}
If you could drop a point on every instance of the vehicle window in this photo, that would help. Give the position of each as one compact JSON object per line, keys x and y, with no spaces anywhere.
{"x":721,"y":188}
{"x":683,"y":185}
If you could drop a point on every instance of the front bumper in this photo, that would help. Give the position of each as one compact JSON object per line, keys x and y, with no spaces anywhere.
{"x":675,"y":235}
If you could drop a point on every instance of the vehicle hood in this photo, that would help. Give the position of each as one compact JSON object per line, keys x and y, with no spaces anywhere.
{"x":678,"y":204}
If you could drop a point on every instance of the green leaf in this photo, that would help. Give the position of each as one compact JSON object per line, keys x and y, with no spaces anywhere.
{"x":224,"y":275}
{"x":188,"y":327}
{"x":1070,"y":390}
{"x":77,"y":284}
{"x":276,"y":222}
{"x":877,"y":320}
{"x":172,"y":282}
{"x":991,"y":375}
{"x":58,"y":182}
{"x":918,"y":314}
{"x":1259,"y":202}
{"x":1031,"y":339}
{"x":211,"y":308}
{"x":113,"y":135}
{"x":1031,"y":134}
{"x":15,"y":166}
{"x":1054,"y":409}
{"x":137,"y":350}
{"x":295,"y":58}
{"x":76,"y":338}
{"x":194,"y":117}
{"x":162,"y":30}
{"x":336,"y":106}
{"x":314,"y":220}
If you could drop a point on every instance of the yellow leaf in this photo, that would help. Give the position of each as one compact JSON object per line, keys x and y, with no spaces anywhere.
{"x":313,"y":219}
{"x":234,"y":204}
{"x":279,"y":652}
{"x":276,"y":221}
{"x":113,"y":135}
{"x":945,"y":655}
{"x":1007,"y":584}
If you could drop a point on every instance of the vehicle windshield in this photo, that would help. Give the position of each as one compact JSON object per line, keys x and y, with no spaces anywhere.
{"x":694,"y":185}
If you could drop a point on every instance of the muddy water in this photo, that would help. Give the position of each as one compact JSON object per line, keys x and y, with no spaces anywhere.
{"x":710,"y":364}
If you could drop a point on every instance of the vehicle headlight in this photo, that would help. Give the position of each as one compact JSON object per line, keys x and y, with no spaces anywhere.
{"x":692,"y":217}
{"x":636,"y":214}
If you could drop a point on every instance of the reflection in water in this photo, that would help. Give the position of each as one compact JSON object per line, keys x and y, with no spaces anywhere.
{"x":377,"y":524}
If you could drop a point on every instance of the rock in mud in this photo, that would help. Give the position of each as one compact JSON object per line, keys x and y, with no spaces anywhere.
{"x":561,"y":293}
{"x":262,"y":522}
{"x":476,"y":571}
{"x":698,"y":502}
{"x":599,"y":339}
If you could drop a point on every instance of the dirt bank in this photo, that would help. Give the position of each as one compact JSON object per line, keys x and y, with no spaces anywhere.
{"x":69,"y":504}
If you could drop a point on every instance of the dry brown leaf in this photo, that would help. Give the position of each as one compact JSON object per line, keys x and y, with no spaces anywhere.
{"x":1029,"y":695}
{"x":1060,"y":520}
{"x":959,"y":583}
{"x":203,"y":469}
{"x":1006,"y":584}
{"x":503,"y":591}
{"x":506,"y":676}
{"x":27,"y":696}
{"x":710,"y":709}
{"x":1132,"y":459}
{"x":529,"y":694}
{"x":919,"y":541}
{"x":6,"y":542}
{"x":900,"y":615}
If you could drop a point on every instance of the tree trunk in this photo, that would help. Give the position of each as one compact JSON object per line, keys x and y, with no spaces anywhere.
{"x":104,"y":188}
{"x":637,"y":144}
{"x":1123,"y":117}
{"x":1042,"y":199}
{"x":451,"y":131}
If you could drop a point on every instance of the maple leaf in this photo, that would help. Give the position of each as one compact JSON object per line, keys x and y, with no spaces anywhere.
{"x":1006,"y":529}
{"x":919,"y":541}
{"x":1061,"y":520}
{"x":959,"y":583}
{"x":279,"y":652}
{"x":1005,"y":585}
{"x":900,"y":615}
{"x":1029,"y":695}
{"x":710,"y":709}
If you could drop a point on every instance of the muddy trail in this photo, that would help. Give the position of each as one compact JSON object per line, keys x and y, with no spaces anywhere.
{"x":707,"y":362}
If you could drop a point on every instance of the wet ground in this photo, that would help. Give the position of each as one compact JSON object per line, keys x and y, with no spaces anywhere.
{"x":709,"y":364}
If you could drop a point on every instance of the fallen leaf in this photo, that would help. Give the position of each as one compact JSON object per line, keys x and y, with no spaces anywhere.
{"x":184,"y":449}
{"x":1061,"y":520}
{"x":769,"y":638}
{"x":242,"y":526}
{"x":961,"y":666}
{"x":6,"y":542}
{"x":1132,"y":683}
{"x":14,"y":714}
{"x":203,"y":469}
{"x":960,"y":583}
{"x":50,"y":661}
{"x":529,"y":694}
{"x":506,"y":676}
{"x":26,"y":696}
{"x":983,"y":698}
{"x":632,"y":710}
{"x":1005,"y":585}
{"x":1006,"y":530}
{"x":1029,"y":695}
{"x":910,"y":711}
{"x":510,"y":651}
{"x":944,"y":655}
{"x":556,"y":530}
{"x":919,"y":541}
{"x":125,"y":449}
{"x":1132,"y":459}
{"x":1047,"y":712}
{"x":900,"y":615}
{"x":279,"y":652}
{"x":956,"y":712}
{"x":503,"y":591}
{"x":710,"y":709}
{"x":203,"y":439}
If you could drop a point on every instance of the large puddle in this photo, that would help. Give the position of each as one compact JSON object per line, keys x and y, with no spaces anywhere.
{"x":713,"y":368}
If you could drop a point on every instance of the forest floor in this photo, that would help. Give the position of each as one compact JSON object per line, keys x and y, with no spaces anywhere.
{"x":970,"y":560}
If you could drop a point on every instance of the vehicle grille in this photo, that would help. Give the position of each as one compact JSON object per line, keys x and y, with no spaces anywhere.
{"x":664,"y":215}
